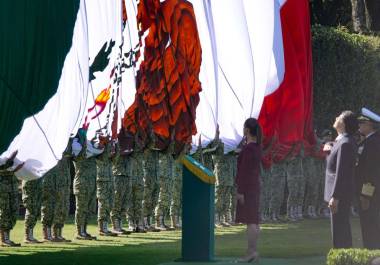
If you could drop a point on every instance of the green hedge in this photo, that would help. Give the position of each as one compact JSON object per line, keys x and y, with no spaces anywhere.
{"x":346,"y":73}
{"x":351,"y":256}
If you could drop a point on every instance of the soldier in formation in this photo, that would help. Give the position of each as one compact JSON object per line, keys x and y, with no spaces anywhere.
{"x":56,"y":198}
{"x":296,"y":187}
{"x":31,"y":199}
{"x":165,"y":178}
{"x":312,"y":182}
{"x":264,"y":193}
{"x":277,"y":182}
{"x":302,"y":179}
{"x":229,"y":184}
{"x":224,"y":184}
{"x":176,"y":199}
{"x":8,"y":202}
{"x":84,"y":189}
{"x":104,"y":187}
{"x":141,"y":184}
{"x":135,"y":211}
{"x":151,"y":187}
{"x":233,"y":189}
{"x":121,"y":169}
{"x":322,"y":209}
{"x":198,"y":155}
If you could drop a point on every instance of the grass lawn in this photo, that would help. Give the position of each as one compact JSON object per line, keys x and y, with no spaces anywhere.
{"x":310,"y":238}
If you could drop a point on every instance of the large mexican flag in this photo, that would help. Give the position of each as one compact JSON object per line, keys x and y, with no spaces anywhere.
{"x":163,"y":71}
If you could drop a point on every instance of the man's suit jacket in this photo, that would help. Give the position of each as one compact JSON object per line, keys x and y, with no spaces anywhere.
{"x":340,"y":169}
{"x":368,"y":166}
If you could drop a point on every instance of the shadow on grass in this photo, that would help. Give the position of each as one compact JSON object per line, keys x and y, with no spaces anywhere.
{"x":145,"y":254}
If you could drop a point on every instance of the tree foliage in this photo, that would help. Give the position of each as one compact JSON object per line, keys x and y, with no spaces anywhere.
{"x":330,"y":12}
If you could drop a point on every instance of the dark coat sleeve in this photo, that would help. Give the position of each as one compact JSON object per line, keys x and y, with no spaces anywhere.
{"x":344,"y":171}
{"x":247,"y":178}
{"x":370,"y":165}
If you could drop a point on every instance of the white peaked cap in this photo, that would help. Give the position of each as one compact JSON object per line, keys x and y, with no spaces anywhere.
{"x":369,"y":115}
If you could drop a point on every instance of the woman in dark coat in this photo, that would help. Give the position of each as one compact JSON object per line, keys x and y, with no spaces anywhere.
{"x":248,"y":186}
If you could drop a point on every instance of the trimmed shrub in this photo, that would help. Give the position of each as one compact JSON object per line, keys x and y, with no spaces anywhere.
{"x":351,"y":256}
{"x":346,"y":73}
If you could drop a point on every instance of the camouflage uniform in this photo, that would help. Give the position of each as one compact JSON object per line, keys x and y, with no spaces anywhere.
{"x":63,"y":194}
{"x":233,"y":191}
{"x":165,"y":177}
{"x":208,"y":152}
{"x":104,"y":185}
{"x":230,"y":185}
{"x":310,"y":170}
{"x":321,"y":171}
{"x":207,"y":162}
{"x":121,"y":169}
{"x":84,"y":188}
{"x":296,"y":187}
{"x":224,"y":181}
{"x":56,"y":194}
{"x":207,"y":158}
{"x":198,"y":156}
{"x":277,"y":183}
{"x":175,"y":205}
{"x":135,"y":211}
{"x":265,"y":193}
{"x":31,"y":199}
{"x":151,"y":183}
{"x":9,"y":204}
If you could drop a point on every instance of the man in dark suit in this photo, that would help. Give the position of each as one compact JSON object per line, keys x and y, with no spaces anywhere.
{"x":340,"y":170}
{"x":368,"y":179}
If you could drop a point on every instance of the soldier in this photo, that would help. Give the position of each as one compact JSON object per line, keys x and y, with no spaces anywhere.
{"x":322,"y":210}
{"x":233,"y":191}
{"x":151,"y":187}
{"x":55,"y":199}
{"x":277,"y":188}
{"x":312,"y":181}
{"x":104,"y":186}
{"x":327,"y":138}
{"x":175,"y":205}
{"x":301,"y":192}
{"x":84,"y":188}
{"x":31,"y":198}
{"x":220,"y":170}
{"x":8,"y":202}
{"x":228,"y":182}
{"x":224,"y":183}
{"x":198,"y":155}
{"x":63,"y":196}
{"x":165,"y":177}
{"x":296,"y":187}
{"x":207,"y":160}
{"x":265,"y":193}
{"x":121,"y":168}
{"x":367,"y":182}
{"x":210,"y":149}
{"x":135,"y":211}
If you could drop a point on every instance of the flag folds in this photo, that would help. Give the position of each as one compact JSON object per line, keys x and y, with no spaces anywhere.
{"x":159,"y":72}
